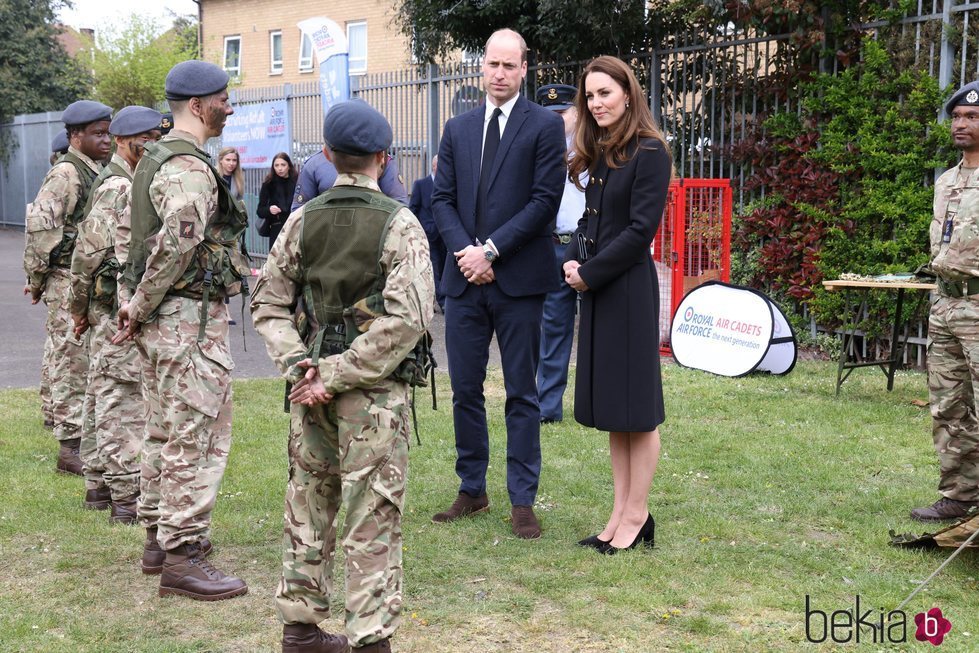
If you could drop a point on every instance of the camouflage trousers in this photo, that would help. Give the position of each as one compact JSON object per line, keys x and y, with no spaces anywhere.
{"x":69,"y":357}
{"x":953,"y":380}
{"x":188,"y":430}
{"x":117,"y":412}
{"x":45,"y":390}
{"x":353,"y":453}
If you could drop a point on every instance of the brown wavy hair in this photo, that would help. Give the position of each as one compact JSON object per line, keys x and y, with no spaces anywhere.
{"x":617,"y":144}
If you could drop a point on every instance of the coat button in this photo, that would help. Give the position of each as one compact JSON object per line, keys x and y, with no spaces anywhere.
{"x":601,"y":182}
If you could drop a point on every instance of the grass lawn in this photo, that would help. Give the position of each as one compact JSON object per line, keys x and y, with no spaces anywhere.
{"x":769,"y":489}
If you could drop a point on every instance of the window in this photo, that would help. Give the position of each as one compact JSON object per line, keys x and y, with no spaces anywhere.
{"x":357,"y":47}
{"x":305,"y":53}
{"x":275,"y":52}
{"x":232,"y":55}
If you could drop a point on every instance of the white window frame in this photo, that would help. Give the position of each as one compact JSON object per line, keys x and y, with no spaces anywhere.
{"x":236,"y":70}
{"x":275,"y":65}
{"x":358,"y":68}
{"x":305,"y":63}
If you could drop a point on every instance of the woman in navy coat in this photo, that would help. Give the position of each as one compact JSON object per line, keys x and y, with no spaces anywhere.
{"x":617,"y":381}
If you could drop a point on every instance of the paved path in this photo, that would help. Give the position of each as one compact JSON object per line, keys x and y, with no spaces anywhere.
{"x":22,"y":328}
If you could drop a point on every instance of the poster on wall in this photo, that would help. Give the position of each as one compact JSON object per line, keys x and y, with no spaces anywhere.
{"x":330,"y":45}
{"x":731,"y":331}
{"x":259,"y":132}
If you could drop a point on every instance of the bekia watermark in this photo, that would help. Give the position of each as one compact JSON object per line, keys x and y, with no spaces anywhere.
{"x":868,"y":625}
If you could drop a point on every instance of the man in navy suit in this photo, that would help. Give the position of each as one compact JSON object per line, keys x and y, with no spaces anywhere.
{"x":421,"y":206}
{"x":499,"y":181}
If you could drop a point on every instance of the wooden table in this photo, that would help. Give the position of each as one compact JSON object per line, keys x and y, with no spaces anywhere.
{"x":855,"y":309}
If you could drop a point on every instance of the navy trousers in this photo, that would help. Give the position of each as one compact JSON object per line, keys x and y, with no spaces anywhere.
{"x":471,"y":320}
{"x":556,"y":338}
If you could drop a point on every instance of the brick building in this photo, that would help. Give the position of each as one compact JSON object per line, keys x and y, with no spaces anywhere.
{"x":258,"y":41}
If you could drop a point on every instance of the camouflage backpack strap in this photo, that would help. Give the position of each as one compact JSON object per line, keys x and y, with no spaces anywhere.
{"x":61,"y":255}
{"x":105,"y":285}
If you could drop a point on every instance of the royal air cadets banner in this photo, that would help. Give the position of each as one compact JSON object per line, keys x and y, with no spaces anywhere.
{"x":731,"y":331}
{"x":330,"y":46}
{"x":259,"y":131}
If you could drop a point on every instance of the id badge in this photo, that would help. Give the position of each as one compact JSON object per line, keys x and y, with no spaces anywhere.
{"x":947,"y":230}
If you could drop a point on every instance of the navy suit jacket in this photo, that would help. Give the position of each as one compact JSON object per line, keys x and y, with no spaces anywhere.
{"x":421,"y":206}
{"x":525,"y":190}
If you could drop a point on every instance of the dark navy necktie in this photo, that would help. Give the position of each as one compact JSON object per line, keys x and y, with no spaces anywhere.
{"x":490,"y":146}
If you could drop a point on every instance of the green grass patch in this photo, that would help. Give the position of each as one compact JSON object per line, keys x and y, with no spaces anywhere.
{"x":768,"y":489}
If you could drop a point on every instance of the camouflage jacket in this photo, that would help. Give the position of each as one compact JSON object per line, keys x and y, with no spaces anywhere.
{"x":409,"y":293}
{"x":59,"y":194}
{"x":97,"y":234}
{"x":955,"y":245}
{"x":185,"y":194}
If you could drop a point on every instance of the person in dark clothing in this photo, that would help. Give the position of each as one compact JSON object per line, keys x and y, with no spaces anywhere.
{"x":275,"y":198}
{"x":617,"y":383}
{"x":421,"y":206}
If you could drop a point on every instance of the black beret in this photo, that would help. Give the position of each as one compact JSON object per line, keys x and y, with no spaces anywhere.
{"x":967,"y":95}
{"x":166,"y":123}
{"x":556,"y":97}
{"x":355,"y":127}
{"x":194,"y":79}
{"x":60,"y":142}
{"x":84,"y":112}
{"x":134,"y":120}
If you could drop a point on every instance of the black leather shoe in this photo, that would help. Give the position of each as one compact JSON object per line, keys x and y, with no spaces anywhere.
{"x":646,"y":535}
{"x":593,"y":541}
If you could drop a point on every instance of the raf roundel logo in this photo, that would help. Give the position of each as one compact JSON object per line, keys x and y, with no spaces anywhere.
{"x":688,"y":314}
{"x":552,"y":94}
{"x":972,"y":97}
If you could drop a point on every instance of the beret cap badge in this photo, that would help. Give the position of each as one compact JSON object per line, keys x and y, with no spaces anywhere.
{"x":972,"y":97}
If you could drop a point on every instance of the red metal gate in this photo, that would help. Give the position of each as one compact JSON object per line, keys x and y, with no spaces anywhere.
{"x":693,"y":244}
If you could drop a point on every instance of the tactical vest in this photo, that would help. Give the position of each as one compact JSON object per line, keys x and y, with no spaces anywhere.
{"x":341,"y":243}
{"x":213,"y":272}
{"x":61,"y":255}
{"x":104,"y":281}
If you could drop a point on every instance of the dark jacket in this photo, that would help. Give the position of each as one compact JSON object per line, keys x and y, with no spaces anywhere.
{"x":278,"y":192}
{"x":525,"y":189}
{"x":617,"y":380}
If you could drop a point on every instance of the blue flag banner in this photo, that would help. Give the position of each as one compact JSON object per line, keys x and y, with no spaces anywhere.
{"x":259,"y":132}
{"x":330,"y":44}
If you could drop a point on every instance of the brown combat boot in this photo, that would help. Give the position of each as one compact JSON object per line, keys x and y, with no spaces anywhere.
{"x":154,"y":555}
{"x":524,"y":523}
{"x":186,"y":572}
{"x":463,"y":506}
{"x":944,"y":509}
{"x":308,"y":638}
{"x":383,"y":646}
{"x":69,"y":461}
{"x":98,"y":499}
{"x":124,"y":510}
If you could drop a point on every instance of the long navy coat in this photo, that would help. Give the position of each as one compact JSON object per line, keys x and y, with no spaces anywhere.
{"x":617,"y":380}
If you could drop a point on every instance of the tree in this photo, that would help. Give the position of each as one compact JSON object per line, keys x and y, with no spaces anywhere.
{"x":131,"y":64}
{"x":555,"y":30}
{"x":36,"y":74}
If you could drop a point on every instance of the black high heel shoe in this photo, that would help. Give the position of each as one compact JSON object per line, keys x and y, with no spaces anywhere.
{"x":593,"y":541}
{"x":646,"y":535}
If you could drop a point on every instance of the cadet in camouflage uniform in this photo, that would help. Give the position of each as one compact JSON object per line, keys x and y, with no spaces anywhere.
{"x":183,"y":261}
{"x":52,"y":223}
{"x":59,"y":146}
{"x":953,"y":326}
{"x":114,"y":398}
{"x":348,"y":443}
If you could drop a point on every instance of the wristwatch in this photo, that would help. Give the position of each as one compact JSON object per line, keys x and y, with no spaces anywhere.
{"x":489,"y":253}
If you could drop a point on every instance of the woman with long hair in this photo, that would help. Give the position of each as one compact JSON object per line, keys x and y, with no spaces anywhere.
{"x":618,"y":387}
{"x":275,"y":198}
{"x":229,"y":165}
